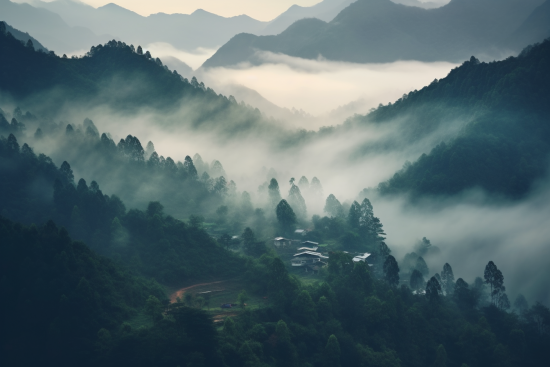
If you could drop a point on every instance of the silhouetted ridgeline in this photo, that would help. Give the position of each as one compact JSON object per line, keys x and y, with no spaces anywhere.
{"x":118,"y":76}
{"x":375,"y":31}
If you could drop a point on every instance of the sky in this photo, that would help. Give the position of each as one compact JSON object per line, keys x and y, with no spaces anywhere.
{"x":264,"y":10}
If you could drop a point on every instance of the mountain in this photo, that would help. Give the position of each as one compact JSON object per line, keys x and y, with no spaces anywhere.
{"x":55,"y":34}
{"x":535,"y":28}
{"x":326,"y":10}
{"x":420,"y":4}
{"x":24,"y":37}
{"x":182,"y":68}
{"x":382,"y":31}
{"x":505,"y":145}
{"x":183,"y":31}
{"x":97,"y":79}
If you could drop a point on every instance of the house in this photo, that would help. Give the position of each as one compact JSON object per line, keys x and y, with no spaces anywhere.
{"x":308,"y":258}
{"x":281,"y":242}
{"x":301,"y":232}
{"x":362,"y":258}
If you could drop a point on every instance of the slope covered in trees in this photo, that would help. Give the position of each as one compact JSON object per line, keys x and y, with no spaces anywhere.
{"x":59,"y":298}
{"x":149,"y":242}
{"x":119,"y":76}
{"x":24,"y":37}
{"x":382,"y":31}
{"x":504,"y":146}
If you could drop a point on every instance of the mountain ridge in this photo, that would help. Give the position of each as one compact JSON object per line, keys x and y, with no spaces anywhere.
{"x":381,"y":31}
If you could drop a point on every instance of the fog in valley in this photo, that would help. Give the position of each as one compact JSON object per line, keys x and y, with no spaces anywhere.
{"x":320,"y":86}
{"x":469,"y":229}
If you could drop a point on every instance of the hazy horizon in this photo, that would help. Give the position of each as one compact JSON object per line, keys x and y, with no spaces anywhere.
{"x":263,"y":10}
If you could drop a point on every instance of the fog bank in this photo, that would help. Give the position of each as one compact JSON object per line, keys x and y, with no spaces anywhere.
{"x":320,"y":86}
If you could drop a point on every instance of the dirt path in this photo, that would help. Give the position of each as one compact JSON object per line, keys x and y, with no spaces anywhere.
{"x":180,"y":292}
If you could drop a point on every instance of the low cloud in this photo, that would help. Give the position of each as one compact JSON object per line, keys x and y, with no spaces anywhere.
{"x":193,"y":58}
{"x":472,"y":230}
{"x":320,"y":86}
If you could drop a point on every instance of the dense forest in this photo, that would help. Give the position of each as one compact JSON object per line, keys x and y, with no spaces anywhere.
{"x":503,"y":145}
{"x":96,"y":277}
{"x":379,"y":314}
{"x":30,"y":76}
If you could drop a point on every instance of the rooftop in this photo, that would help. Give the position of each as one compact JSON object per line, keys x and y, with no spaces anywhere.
{"x":311,"y":253}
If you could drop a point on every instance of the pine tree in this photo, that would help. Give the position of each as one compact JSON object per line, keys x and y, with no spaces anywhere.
{"x":297,"y":202}
{"x":421,"y":266}
{"x":433,"y":290}
{"x":331,"y":354}
{"x":189,"y":169}
{"x":441,"y":357}
{"x":391,"y":271}
{"x":447,"y":279}
{"x":286,"y":217}
{"x":274,"y":193}
{"x":333,"y":207}
{"x":417,"y":281}
{"x":495,"y":279}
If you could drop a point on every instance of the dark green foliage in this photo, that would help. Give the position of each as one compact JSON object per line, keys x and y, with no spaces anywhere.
{"x":94,"y":80}
{"x":151,"y":242}
{"x":286,"y":217}
{"x":417,"y":281}
{"x":251,"y":246}
{"x":505,"y":146}
{"x":186,"y":337}
{"x":57,"y":295}
{"x":361,"y":321}
{"x":391,"y":271}
{"x":433,"y":290}
{"x":274,"y":193}
{"x":441,"y":357}
{"x":332,"y":352}
{"x":447,"y":279}
{"x":421,"y":266}
{"x":495,"y":279}
{"x":333,"y":207}
{"x":297,"y":202}
{"x":22,"y":194}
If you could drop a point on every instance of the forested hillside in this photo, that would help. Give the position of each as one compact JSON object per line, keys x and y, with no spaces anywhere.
{"x":505,"y":143}
{"x":149,"y":242}
{"x":25,"y":37}
{"x":60,"y":298}
{"x":150,"y":261}
{"x":30,"y":77}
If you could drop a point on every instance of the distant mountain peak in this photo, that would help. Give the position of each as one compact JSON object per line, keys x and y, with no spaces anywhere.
{"x":117,"y":8}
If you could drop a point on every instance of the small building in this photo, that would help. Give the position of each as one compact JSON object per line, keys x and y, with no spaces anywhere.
{"x":308,"y":258}
{"x":362,"y":258}
{"x":308,"y":249}
{"x":301,"y":232}
{"x":281,"y":242}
